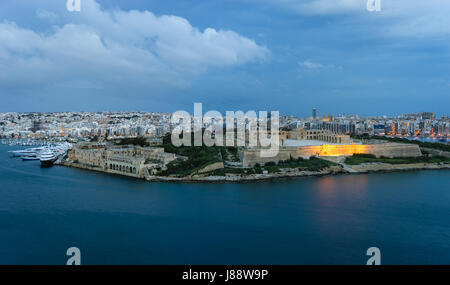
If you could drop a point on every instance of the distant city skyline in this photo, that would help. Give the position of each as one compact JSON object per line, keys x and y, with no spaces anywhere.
{"x":85,"y":125}
{"x":288,"y":56}
{"x":319,"y":115}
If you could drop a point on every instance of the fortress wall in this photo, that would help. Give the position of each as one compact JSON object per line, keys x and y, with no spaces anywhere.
{"x":140,"y":174}
{"x":394,"y":150}
{"x":437,"y":152}
{"x":252,"y":156}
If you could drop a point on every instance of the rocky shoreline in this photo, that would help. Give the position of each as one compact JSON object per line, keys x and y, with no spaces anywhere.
{"x":364,"y":168}
{"x":240,"y":179}
{"x":271,"y":177}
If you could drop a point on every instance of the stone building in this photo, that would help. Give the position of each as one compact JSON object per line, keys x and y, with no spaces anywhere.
{"x":130,"y":160}
{"x":92,"y":154}
{"x":89,"y":156}
{"x":148,"y":153}
{"x":125,"y":165}
{"x":320,"y":135}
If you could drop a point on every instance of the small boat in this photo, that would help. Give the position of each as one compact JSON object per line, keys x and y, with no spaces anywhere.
{"x":29,"y":158}
{"x":26,"y":152}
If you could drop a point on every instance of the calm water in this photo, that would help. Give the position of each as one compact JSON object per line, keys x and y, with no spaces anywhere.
{"x":115,"y":220}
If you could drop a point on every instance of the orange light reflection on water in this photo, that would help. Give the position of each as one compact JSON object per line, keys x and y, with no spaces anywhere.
{"x":334,"y":195}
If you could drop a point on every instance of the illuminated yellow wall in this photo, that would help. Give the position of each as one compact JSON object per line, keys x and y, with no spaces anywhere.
{"x":332,"y":150}
{"x":387,"y":149}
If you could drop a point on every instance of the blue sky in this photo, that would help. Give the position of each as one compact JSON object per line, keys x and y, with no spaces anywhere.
{"x":285,"y":55}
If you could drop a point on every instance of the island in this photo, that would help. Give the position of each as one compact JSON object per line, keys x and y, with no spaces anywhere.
{"x":301,"y":153}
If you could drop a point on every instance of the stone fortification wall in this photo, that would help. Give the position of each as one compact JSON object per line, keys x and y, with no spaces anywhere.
{"x":250,"y":157}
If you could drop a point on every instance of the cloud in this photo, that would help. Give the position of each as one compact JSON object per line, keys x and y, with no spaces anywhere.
{"x":405,"y":18}
{"x":311,"y":65}
{"x":318,"y":7}
{"x":326,"y":7}
{"x":46,"y":15}
{"x":399,"y":18}
{"x":107,"y":48}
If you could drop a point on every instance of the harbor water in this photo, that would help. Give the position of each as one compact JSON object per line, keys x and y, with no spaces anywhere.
{"x":319,"y":220}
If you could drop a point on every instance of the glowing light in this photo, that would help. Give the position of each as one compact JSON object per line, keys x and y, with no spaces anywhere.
{"x":335,"y":150}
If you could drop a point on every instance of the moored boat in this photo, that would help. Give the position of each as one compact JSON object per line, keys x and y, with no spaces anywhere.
{"x":27,"y":152}
{"x":29,"y":158}
{"x":47,"y":158}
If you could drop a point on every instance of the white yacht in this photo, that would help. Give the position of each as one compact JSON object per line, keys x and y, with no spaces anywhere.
{"x":27,"y":152}
{"x":47,"y":158}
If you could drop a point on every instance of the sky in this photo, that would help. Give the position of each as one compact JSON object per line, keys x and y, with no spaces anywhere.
{"x":273,"y":55}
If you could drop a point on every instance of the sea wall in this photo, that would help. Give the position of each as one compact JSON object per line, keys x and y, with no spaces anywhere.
{"x":368,"y":168}
{"x":385,"y":167}
{"x":292,"y":173}
{"x":101,"y":169}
